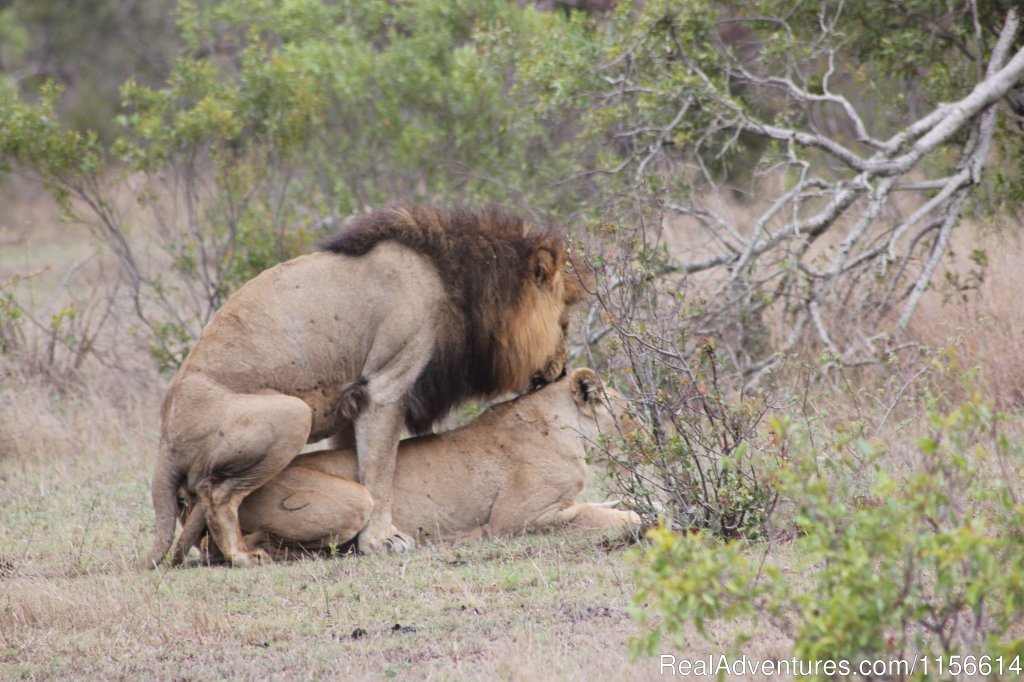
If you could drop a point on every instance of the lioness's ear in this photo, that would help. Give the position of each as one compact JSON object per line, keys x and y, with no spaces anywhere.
{"x":579,"y":279}
{"x":574,"y":290}
{"x":544,"y":264}
{"x":584,"y":384}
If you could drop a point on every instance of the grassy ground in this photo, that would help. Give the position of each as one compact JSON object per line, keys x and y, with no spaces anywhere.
{"x":538,"y":608}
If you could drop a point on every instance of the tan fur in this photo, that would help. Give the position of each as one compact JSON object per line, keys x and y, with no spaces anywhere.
{"x":276,"y":366}
{"x":518,"y":467}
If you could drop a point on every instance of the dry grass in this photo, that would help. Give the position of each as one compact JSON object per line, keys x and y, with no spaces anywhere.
{"x":77,"y":515}
{"x":986,"y":324}
{"x":539,"y":608}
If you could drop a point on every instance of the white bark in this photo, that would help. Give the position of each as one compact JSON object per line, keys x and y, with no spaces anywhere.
{"x":837,"y":299}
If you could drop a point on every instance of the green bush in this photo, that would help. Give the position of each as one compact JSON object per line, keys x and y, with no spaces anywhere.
{"x":385,"y":100}
{"x":702,"y":458}
{"x":704,"y":461}
{"x":279,"y":120}
{"x":929,"y":563}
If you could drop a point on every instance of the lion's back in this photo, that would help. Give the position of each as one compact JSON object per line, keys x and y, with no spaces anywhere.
{"x":317,"y":315}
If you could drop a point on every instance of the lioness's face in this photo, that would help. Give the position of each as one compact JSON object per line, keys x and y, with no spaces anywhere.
{"x":607,"y":407}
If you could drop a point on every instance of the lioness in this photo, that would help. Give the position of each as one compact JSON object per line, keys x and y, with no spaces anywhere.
{"x":519,"y":466}
{"x":407,"y":313}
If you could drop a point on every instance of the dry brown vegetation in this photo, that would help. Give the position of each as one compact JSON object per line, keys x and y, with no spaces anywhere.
{"x":988,"y":323}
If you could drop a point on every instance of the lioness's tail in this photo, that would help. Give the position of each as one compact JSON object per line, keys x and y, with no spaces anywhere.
{"x":166,"y":480}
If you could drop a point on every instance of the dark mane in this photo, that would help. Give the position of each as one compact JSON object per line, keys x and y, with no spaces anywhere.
{"x":484,"y":259}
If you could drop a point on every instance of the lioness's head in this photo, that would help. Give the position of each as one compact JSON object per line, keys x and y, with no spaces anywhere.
{"x":606,"y":407}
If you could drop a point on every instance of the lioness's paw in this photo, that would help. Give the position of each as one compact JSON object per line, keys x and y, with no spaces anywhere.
{"x":394,"y":541}
{"x":253,"y":557}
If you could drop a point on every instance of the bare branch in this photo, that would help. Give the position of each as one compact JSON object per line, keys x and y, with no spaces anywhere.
{"x":840,"y":290}
{"x":938,"y":250}
{"x":827,"y":97}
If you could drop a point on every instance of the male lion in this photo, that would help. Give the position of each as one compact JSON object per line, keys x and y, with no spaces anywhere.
{"x":407,"y":313}
{"x":519,"y":466}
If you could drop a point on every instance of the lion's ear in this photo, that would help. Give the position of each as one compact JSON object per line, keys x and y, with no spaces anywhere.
{"x":585,"y":384}
{"x":544,"y":265}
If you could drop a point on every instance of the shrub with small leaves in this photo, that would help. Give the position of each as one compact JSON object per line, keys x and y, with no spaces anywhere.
{"x":703,"y":458}
{"x":929,"y":563}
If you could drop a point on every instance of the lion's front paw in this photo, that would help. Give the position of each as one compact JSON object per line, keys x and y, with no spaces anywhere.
{"x":392,"y":540}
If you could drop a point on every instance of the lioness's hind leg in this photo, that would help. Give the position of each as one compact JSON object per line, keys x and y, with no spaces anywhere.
{"x":304,"y":506}
{"x":259,"y":436}
{"x":589,"y":515}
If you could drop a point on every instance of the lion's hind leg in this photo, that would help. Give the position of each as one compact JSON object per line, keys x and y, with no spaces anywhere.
{"x":306,"y":508}
{"x":257,"y":436}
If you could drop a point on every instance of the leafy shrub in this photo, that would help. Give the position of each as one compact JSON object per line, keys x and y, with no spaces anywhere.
{"x":929,"y":563}
{"x":704,"y":462}
{"x":703,"y":458}
{"x":279,"y":120}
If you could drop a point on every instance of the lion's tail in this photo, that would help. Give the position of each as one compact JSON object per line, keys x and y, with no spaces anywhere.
{"x":165,"y":502}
